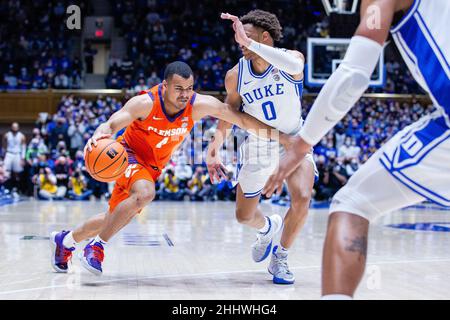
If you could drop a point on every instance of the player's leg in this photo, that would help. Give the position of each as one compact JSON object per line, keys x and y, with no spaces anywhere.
{"x":300,"y":184}
{"x":371,"y":192}
{"x":142,"y":191}
{"x":257,"y":167}
{"x":248,"y":213}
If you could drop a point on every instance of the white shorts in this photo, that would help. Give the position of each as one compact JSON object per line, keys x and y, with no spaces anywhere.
{"x":410,"y":168}
{"x":12,"y":162}
{"x":258,"y":159}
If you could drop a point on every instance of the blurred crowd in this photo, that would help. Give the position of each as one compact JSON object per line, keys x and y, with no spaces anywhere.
{"x":159,"y":31}
{"x":40,"y":51}
{"x":35,"y":46}
{"x":50,"y":164}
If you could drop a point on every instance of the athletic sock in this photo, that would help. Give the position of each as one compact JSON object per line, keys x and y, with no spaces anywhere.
{"x":266,"y":227}
{"x":68,"y":241}
{"x":283,"y":249}
{"x":100,"y":240}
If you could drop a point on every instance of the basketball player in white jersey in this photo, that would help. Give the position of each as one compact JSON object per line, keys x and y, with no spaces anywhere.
{"x":15,"y":146}
{"x":266,"y":84}
{"x":414,"y":165}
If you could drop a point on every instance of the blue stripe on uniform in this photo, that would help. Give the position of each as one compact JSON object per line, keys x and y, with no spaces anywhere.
{"x":240,"y":71}
{"x":253,"y":194}
{"x":430,"y":67}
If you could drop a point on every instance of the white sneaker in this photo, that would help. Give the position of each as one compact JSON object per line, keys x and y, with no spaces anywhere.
{"x":279,"y":268}
{"x":263,"y":244}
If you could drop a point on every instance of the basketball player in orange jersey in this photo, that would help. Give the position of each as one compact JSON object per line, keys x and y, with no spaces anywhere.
{"x":157,"y":123}
{"x":267,"y":84}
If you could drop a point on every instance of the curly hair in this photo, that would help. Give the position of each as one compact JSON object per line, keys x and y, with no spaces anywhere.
{"x":264,"y":20}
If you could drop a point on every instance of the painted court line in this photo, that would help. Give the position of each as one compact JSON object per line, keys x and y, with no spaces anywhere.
{"x":194,"y":275}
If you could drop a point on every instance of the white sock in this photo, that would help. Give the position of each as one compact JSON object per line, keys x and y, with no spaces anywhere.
{"x":69,"y":241}
{"x":98,"y":239}
{"x":266,"y":227}
{"x":336,"y":297}
{"x":283,"y":249}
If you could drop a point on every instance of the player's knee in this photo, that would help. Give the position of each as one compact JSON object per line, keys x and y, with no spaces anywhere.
{"x":244,"y":216}
{"x":143,"y":197}
{"x":301,"y":201}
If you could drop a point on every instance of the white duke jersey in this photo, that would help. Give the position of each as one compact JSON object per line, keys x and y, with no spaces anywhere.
{"x":273,"y":97}
{"x":422,"y":37}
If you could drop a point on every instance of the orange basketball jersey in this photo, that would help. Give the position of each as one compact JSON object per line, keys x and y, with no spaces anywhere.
{"x":152,"y":141}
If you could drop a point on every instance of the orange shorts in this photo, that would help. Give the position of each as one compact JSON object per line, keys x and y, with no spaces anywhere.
{"x":124,"y":184}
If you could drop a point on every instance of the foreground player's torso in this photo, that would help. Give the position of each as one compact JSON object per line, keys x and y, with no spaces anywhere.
{"x":154,"y":139}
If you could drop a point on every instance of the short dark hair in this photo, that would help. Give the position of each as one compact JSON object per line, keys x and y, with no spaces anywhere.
{"x":178,"y":67}
{"x":264,"y":20}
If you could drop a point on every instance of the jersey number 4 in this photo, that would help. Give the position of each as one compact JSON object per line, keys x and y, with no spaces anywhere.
{"x":162,"y":142}
{"x":269,"y":110}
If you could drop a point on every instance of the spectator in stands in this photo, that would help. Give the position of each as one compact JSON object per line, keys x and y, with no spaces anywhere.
{"x":58,"y":132}
{"x":183,"y":172}
{"x":332,"y":176}
{"x":195,"y":185}
{"x":153,"y":80}
{"x":140,"y":86}
{"x":62,"y":173}
{"x":89,"y":54}
{"x":47,"y":185}
{"x":170,"y":189}
{"x":352,"y":166}
{"x":75,"y":133}
{"x":78,"y":186}
{"x":225,"y":189}
{"x":3,"y":174}
{"x":345,"y":150}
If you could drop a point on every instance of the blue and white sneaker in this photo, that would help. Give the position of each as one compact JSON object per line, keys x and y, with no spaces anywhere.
{"x":279,"y":268}
{"x":60,"y":254}
{"x":93,"y":257}
{"x":261,"y":247}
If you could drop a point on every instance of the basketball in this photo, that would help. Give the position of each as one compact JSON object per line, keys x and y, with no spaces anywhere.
{"x":107,"y":161}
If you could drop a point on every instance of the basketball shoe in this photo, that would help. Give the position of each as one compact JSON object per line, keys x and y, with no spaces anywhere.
{"x":279,"y":268}
{"x":92,"y":258}
{"x":261,"y":247}
{"x":60,"y":254}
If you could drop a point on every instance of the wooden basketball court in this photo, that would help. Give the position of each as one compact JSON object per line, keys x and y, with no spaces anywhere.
{"x":184,"y":250}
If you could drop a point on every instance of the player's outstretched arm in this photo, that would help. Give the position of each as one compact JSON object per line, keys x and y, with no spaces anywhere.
{"x":216,"y":169}
{"x":344,"y":87}
{"x":209,"y":106}
{"x":138,"y":107}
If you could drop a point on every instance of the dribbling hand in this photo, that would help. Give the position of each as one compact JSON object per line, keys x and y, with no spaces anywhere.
{"x":93,"y":141}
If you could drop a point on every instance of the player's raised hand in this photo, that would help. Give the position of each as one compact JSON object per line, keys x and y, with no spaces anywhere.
{"x":240,"y":35}
{"x":294,"y":155}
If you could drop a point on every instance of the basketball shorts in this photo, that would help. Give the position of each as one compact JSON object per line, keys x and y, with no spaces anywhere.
{"x":258,"y":160}
{"x":12,"y":162}
{"x":123,"y":185}
{"x":411,"y":167}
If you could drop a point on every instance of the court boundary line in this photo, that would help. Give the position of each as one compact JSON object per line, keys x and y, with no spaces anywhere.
{"x":194,"y":275}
